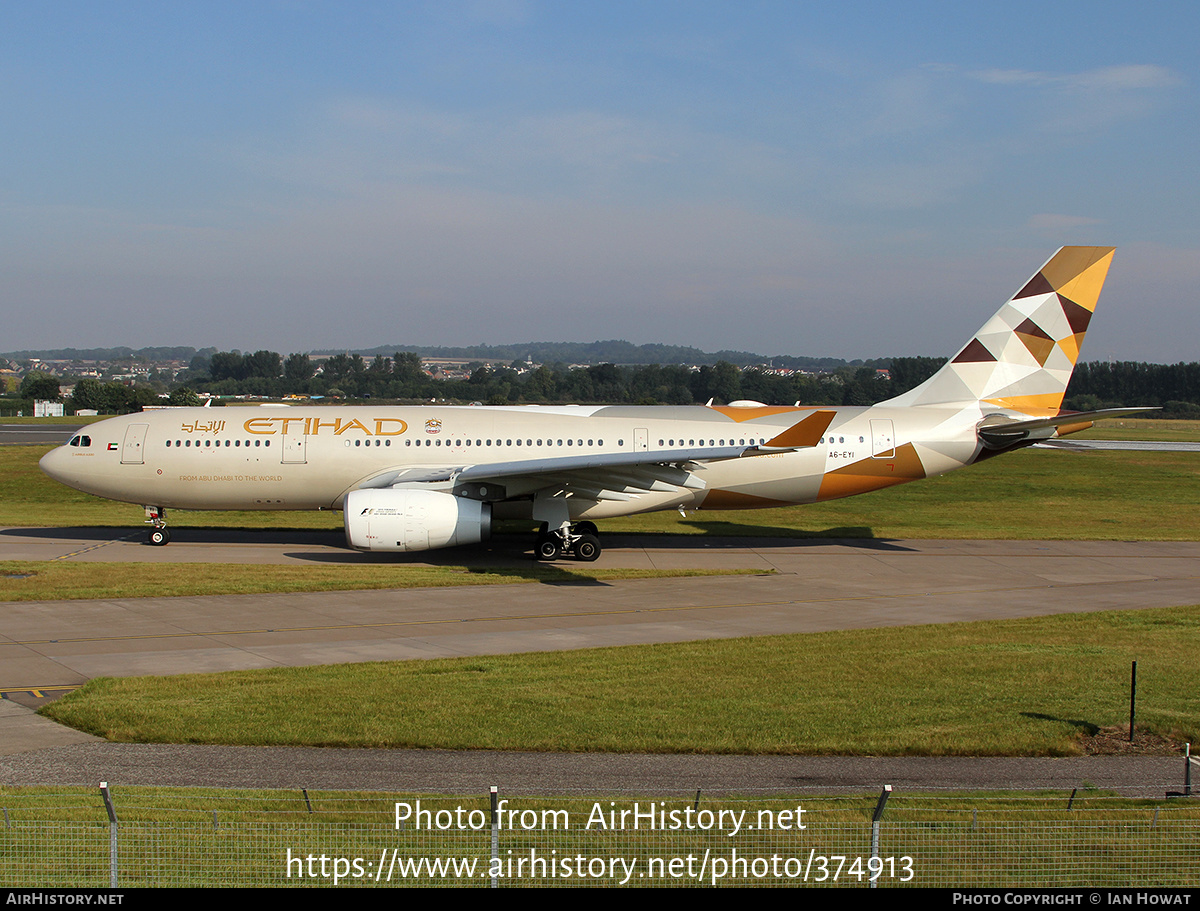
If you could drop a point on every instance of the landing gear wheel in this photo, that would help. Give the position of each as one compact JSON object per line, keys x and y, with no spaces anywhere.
{"x":548,"y":548}
{"x":158,"y":537}
{"x":587,"y":528}
{"x":587,"y":548}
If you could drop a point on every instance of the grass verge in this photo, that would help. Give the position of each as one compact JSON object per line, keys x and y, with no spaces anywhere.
{"x":1142,"y":429}
{"x":55,"y":581}
{"x":135,"y":803}
{"x":1015,"y":687}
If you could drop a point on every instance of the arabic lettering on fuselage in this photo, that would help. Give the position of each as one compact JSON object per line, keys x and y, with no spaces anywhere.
{"x":204,"y":427}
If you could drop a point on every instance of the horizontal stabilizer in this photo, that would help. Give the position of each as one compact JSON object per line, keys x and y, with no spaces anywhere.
{"x":998,"y":431}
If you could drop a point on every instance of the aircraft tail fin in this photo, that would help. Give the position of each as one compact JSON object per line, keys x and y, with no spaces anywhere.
{"x":1022,"y":358}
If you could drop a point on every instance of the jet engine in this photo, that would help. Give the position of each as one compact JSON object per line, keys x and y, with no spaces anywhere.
{"x":409,"y":520}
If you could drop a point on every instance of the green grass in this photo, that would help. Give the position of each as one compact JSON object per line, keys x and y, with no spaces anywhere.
{"x":248,"y":805}
{"x":58,"y":580}
{"x":1140,"y":428}
{"x":1016,"y":687}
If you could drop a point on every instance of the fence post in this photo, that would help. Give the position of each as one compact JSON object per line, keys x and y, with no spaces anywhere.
{"x":1132,"y":698}
{"x":1187,"y":770}
{"x":883,"y":799}
{"x":112,"y":835}
{"x":495,"y":797}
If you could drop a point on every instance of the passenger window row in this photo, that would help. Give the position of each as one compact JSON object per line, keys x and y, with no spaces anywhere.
{"x":663,"y":443}
{"x":510,"y":442}
{"x":208,"y":444}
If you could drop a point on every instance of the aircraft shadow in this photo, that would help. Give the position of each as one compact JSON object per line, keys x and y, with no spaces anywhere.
{"x":80,"y":534}
{"x":723,"y":533}
{"x":506,"y":555}
{"x":188,"y":534}
{"x":759,"y":537}
{"x":507,"y":543}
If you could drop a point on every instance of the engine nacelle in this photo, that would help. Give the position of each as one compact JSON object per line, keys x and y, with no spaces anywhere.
{"x":409,"y":520}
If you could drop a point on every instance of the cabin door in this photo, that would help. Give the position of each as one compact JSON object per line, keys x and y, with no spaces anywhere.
{"x":135,"y":442}
{"x":294,"y":443}
{"x":883,"y":440}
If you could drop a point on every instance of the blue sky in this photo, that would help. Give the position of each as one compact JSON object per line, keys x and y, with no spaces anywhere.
{"x":849,"y":179}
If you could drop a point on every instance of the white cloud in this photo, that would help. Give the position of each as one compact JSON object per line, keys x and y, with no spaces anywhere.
{"x":1138,"y":76}
{"x":1108,"y":78}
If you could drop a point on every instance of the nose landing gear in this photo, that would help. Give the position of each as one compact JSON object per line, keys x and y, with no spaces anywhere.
{"x":158,"y":535}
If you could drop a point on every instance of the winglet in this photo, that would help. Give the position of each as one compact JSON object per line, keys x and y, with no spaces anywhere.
{"x":803,"y":434}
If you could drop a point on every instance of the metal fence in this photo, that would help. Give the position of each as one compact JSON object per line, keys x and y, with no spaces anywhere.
{"x":163,"y":838}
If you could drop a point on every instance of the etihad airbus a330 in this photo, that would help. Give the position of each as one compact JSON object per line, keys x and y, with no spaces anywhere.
{"x":424,"y":477}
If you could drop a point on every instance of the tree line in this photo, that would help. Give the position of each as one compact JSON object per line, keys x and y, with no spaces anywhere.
{"x":1110,"y":384}
{"x":401,"y":378}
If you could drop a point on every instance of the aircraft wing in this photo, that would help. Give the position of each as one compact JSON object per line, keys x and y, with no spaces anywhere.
{"x":609,"y":475}
{"x":486,"y":471}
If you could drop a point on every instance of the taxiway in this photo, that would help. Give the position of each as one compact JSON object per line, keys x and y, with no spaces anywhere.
{"x":805,"y":586}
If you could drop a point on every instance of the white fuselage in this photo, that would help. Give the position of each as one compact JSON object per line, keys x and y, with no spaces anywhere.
{"x":311,"y":457}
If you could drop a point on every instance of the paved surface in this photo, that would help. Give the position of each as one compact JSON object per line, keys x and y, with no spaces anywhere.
{"x":1120,"y":445}
{"x":33,"y":433}
{"x":436,"y":771}
{"x":816,"y":585}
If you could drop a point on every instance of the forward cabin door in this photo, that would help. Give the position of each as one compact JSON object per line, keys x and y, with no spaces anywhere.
{"x":641,"y":440}
{"x":135,"y":442}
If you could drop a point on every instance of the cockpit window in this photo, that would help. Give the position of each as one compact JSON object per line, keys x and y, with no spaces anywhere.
{"x":80,"y":441}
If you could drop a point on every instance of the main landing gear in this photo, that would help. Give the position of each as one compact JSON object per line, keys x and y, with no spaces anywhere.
{"x":158,"y":535}
{"x":582,"y":541}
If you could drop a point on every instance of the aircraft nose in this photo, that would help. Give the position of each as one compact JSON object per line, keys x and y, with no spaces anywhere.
{"x":55,"y":462}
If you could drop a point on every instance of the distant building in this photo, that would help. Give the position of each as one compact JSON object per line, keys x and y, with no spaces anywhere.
{"x":47,"y":409}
